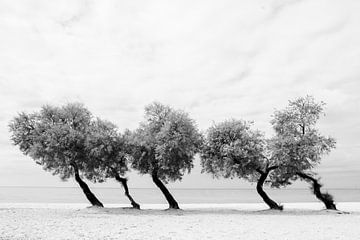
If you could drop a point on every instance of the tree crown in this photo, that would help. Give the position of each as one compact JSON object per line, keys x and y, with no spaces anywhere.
{"x":59,"y":138}
{"x":106,"y":149}
{"x":297,"y":142}
{"x":233,"y":149}
{"x":165,"y":143}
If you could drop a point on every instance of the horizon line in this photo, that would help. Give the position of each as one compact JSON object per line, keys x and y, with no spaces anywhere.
{"x":198,"y":188}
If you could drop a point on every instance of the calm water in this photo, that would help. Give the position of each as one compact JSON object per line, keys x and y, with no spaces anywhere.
{"x":115,"y":195}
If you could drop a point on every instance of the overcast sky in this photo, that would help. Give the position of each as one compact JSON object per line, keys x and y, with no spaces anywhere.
{"x":214,"y":59}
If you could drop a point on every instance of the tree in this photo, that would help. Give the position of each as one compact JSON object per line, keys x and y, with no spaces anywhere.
{"x":108,"y":155}
{"x":164,"y":146}
{"x":299,"y":145}
{"x":231,"y":149}
{"x":55,"y":138}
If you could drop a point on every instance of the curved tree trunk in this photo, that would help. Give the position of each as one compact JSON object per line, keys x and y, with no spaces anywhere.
{"x":326,"y":198}
{"x":171,"y":200}
{"x":259,"y":187}
{"x":123,"y":181}
{"x":89,"y":195}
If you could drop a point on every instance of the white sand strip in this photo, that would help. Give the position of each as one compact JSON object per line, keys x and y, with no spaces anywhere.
{"x":196,"y":221}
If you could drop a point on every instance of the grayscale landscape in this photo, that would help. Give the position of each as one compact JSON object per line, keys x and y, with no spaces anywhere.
{"x":179,"y":119}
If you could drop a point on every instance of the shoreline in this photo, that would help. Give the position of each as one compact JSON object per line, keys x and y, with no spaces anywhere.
{"x":342,"y":206}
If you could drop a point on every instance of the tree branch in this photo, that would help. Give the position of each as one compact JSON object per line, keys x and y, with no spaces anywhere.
{"x":272,"y":168}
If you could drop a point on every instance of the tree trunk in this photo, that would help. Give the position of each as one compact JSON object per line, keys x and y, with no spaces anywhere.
{"x":89,"y":195}
{"x":171,"y":200}
{"x":326,"y":198}
{"x":259,"y":187}
{"x":123,"y":181}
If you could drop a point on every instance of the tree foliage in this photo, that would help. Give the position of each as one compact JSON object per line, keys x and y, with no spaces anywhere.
{"x":233,"y":149}
{"x":54,"y":137}
{"x":106,"y":151}
{"x":165,"y":143}
{"x":57,"y":137}
{"x":298,"y":144}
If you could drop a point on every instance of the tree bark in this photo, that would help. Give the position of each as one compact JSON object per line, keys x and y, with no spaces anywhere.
{"x":171,"y":200}
{"x":259,"y":187}
{"x":89,"y":195}
{"x":123,"y":181}
{"x":326,"y":198}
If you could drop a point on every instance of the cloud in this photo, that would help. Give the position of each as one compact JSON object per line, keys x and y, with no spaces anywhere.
{"x":277,"y":7}
{"x":217,"y":59}
{"x":82,"y":10}
{"x":241,"y":76}
{"x":329,"y":30}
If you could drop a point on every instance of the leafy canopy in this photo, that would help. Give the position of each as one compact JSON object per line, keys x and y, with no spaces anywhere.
{"x":165,"y":143}
{"x":298,"y":144}
{"x":59,"y":137}
{"x":106,"y":149}
{"x":233,"y":149}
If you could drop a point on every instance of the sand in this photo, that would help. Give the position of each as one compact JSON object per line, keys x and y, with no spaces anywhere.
{"x":195,"y":221}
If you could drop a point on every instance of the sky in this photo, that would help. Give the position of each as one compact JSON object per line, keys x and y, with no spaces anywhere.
{"x":214,"y":59}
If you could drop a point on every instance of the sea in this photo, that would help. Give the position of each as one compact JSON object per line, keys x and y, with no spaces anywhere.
{"x":154,"y":196}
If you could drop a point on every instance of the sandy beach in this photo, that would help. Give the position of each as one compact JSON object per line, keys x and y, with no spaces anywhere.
{"x":194,"y":221}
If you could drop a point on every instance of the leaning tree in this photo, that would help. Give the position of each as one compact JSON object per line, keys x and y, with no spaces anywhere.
{"x":55,"y":138}
{"x":299,"y":145}
{"x":232,"y":149}
{"x":164,"y":146}
{"x":108,"y":152}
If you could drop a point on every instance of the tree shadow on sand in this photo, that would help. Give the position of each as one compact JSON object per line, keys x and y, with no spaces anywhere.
{"x":210,"y":211}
